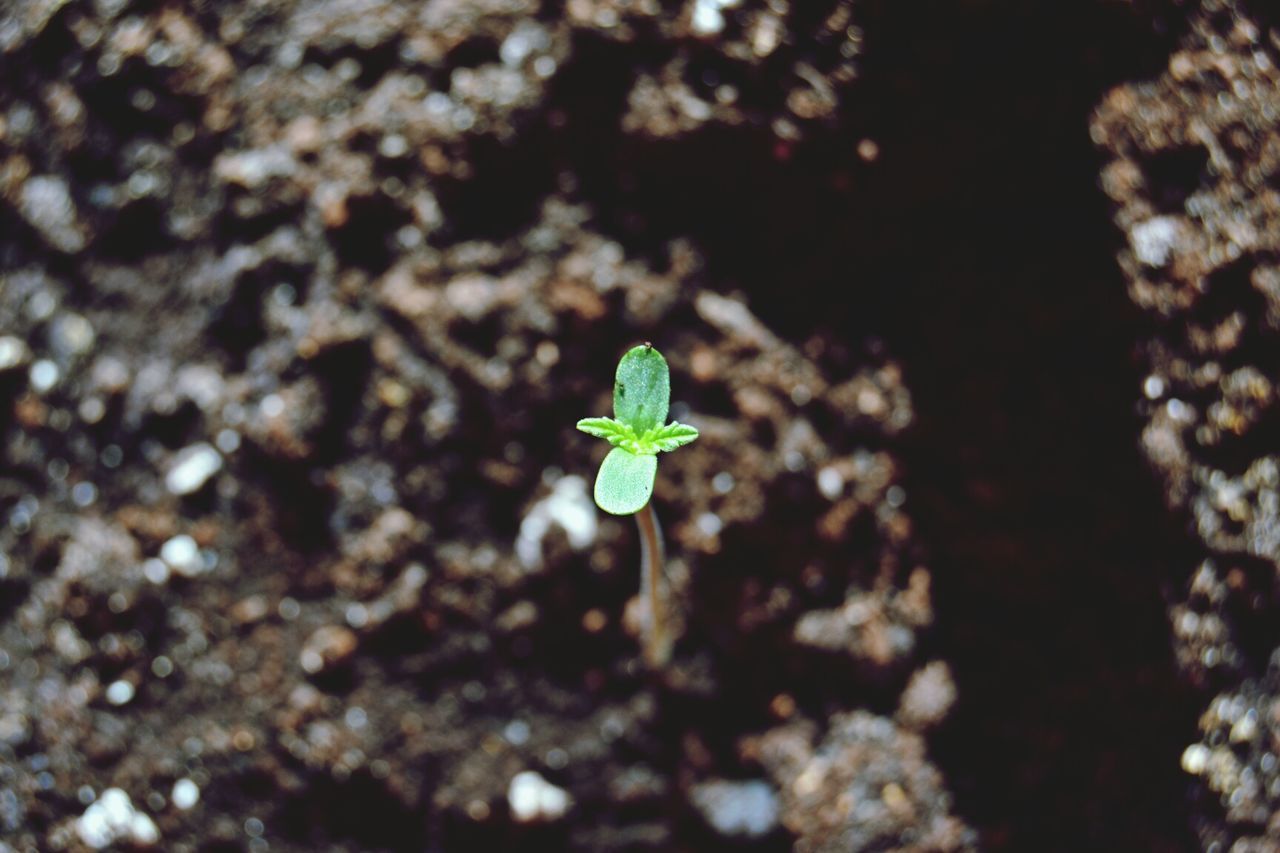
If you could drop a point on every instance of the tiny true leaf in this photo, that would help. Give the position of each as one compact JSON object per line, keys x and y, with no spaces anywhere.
{"x":673,"y":435}
{"x":615,"y":432}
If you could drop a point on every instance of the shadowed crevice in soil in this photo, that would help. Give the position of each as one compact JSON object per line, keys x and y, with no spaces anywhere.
{"x":1050,"y":542}
{"x":979,"y":247}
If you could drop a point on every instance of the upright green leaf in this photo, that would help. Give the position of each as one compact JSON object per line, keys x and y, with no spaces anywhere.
{"x":642,"y":389}
{"x":625,"y":482}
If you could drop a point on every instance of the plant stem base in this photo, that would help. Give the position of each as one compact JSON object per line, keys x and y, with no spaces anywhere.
{"x":658,"y":640}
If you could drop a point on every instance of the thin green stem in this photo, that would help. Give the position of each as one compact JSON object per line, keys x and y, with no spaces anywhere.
{"x":657,"y":636}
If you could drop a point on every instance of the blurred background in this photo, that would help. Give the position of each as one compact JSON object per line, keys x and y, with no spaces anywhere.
{"x":975,"y":304}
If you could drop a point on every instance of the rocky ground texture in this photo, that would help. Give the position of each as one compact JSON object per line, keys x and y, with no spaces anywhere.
{"x":298,"y":546}
{"x":1193,"y":173}
{"x":299,"y":303}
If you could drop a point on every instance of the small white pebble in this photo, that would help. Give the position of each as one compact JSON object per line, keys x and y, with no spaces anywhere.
{"x":707,"y":20}
{"x":182,"y":555}
{"x":45,"y":202}
{"x":1153,"y":387}
{"x":570,"y":507}
{"x":311,"y":661}
{"x":155,"y":570}
{"x":709,"y":524}
{"x":120,"y":692}
{"x":526,"y":39}
{"x":113,"y":818}
{"x":73,"y":334}
{"x":84,"y":494}
{"x":228,"y":440}
{"x":272,"y":406}
{"x":1154,"y":240}
{"x":533,"y":798}
{"x":357,"y":615}
{"x":92,"y":410}
{"x":830,"y":483}
{"x":516,"y":732}
{"x":347,"y":69}
{"x":393,"y":145}
{"x":722,"y":483}
{"x":355,"y":718}
{"x":41,"y":306}
{"x":43,"y":375}
{"x":928,"y":697}
{"x":93,"y":826}
{"x":13,"y":352}
{"x":744,"y":809}
{"x":409,"y":236}
{"x":185,"y":794}
{"x":143,"y":830}
{"x":192,"y":467}
{"x":1178,"y":410}
{"x":544,"y":66}
{"x":1195,"y":758}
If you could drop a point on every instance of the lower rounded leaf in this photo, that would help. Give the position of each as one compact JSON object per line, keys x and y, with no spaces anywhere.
{"x":625,"y":482}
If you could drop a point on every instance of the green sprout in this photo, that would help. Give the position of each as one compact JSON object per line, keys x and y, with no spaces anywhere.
{"x":641,"y":396}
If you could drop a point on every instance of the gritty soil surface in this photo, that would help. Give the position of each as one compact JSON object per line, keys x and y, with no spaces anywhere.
{"x":1193,"y":175}
{"x":299,"y":304}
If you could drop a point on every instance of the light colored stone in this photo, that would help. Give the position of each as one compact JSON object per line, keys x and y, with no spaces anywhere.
{"x":746,"y":809}
{"x":569,"y":507}
{"x":182,"y":555}
{"x":192,"y":467}
{"x":533,"y":799}
{"x":113,"y":818}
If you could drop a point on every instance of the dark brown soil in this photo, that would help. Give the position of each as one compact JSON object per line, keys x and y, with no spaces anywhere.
{"x":299,"y":304}
{"x":1193,"y":168}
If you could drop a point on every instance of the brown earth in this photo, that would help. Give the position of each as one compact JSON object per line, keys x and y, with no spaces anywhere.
{"x":299,"y":304}
{"x":1193,"y":175}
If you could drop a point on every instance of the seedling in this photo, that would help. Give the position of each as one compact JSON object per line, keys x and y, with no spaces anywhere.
{"x":637,"y":431}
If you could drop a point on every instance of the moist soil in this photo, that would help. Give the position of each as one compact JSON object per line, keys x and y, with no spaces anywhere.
{"x":299,"y":304}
